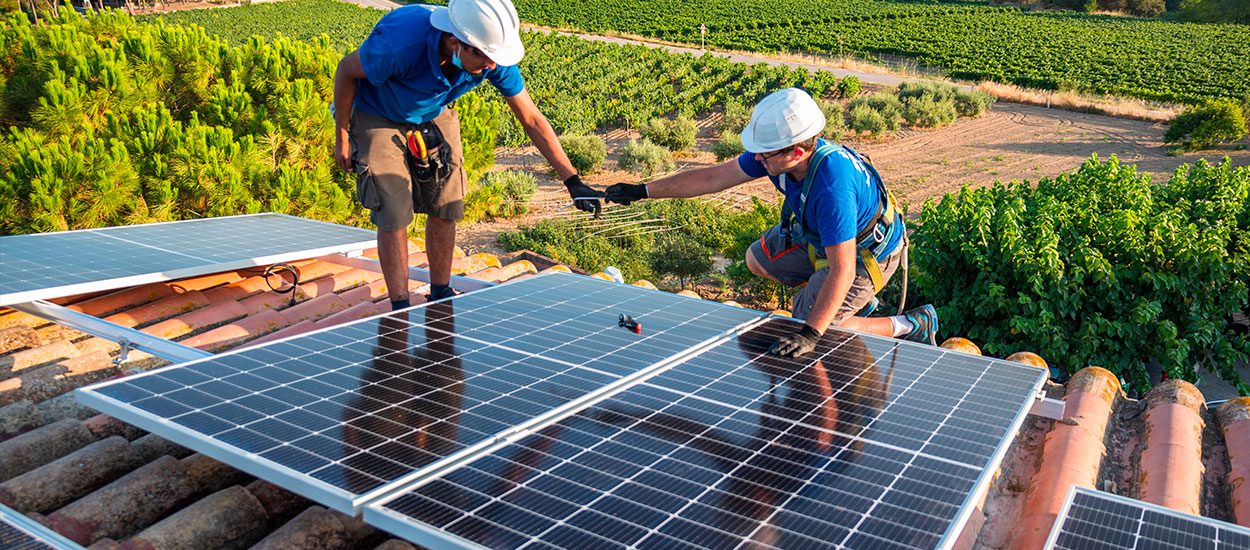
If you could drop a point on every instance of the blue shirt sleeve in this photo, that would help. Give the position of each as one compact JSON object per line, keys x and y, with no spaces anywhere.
{"x":507,"y":80}
{"x":378,"y":58}
{"x":750,"y":166}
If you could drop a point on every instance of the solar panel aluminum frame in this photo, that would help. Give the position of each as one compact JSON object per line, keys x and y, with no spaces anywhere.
{"x":1073,"y":490}
{"x":36,"y":530}
{"x":90,"y":324}
{"x":376,"y":513}
{"x":134,"y":280}
{"x":333,"y":497}
{"x":976,"y":496}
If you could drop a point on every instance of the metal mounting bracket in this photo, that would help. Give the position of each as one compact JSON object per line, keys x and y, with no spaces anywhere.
{"x":1046,"y":407}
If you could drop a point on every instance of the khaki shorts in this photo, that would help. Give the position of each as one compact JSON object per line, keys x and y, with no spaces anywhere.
{"x":385,"y":176}
{"x":793,"y":267}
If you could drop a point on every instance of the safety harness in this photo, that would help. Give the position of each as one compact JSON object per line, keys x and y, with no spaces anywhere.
{"x":871,"y":240}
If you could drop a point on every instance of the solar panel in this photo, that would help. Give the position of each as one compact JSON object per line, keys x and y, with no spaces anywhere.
{"x":51,"y":265}
{"x":18,"y":532}
{"x":1093,"y":519}
{"x":340,"y":413}
{"x":869,"y":443}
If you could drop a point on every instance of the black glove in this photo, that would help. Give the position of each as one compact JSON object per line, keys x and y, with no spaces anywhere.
{"x":796,"y":343}
{"x":625,"y":193}
{"x":578,"y":189}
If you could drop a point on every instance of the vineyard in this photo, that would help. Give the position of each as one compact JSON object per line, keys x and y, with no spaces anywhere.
{"x":579,"y":85}
{"x":1051,"y":50}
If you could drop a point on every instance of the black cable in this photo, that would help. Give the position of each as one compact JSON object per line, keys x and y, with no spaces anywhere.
{"x":277,"y":268}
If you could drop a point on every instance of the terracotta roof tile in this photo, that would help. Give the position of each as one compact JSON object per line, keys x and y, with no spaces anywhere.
{"x":15,"y":363}
{"x":317,"y":528}
{"x":28,"y":451}
{"x":127,"y":505}
{"x":1171,"y":463}
{"x":230,"y":518}
{"x":238,"y":332}
{"x":124,"y":299}
{"x":213,"y":314}
{"x":18,"y":338}
{"x":160,"y":309}
{"x":50,"y":381}
{"x":62,"y":481}
{"x":19,"y":417}
{"x":1234,"y":418}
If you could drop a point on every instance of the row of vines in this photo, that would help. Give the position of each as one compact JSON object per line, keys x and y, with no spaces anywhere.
{"x":1156,"y":60}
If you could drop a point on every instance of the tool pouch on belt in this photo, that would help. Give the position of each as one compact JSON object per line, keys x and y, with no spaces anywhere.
{"x":436,"y":166}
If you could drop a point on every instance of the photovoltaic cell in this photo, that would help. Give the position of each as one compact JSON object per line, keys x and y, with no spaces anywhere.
{"x":1095,"y":520}
{"x":50,"y":265}
{"x":866,"y":443}
{"x":339,"y":413}
{"x":18,"y":532}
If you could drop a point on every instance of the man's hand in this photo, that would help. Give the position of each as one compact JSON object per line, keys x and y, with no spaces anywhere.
{"x":577,"y":189}
{"x":343,"y":150}
{"x":795,"y":344}
{"x":625,"y":193}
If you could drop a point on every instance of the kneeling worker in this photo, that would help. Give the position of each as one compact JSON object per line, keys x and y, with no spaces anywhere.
{"x":394,"y":129}
{"x":839,"y":231}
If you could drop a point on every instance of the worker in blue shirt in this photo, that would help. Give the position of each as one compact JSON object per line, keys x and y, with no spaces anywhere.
{"x":840,"y":233}
{"x":396,"y":129}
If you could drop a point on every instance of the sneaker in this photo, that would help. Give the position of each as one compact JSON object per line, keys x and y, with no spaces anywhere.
{"x":868,"y":309}
{"x":924,"y":322}
{"x":446,"y":293}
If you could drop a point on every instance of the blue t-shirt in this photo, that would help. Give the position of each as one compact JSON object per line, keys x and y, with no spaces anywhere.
{"x":843,"y":198}
{"x":404,"y":81}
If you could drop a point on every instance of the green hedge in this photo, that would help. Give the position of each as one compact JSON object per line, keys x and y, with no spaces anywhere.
{"x":1099,"y":267}
{"x":115,"y":122}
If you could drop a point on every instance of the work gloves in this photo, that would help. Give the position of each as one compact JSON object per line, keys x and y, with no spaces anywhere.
{"x":796,"y":343}
{"x":577,"y":189}
{"x":625,"y":193}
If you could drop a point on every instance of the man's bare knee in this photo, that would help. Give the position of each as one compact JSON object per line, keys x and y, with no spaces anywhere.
{"x":755,"y":267}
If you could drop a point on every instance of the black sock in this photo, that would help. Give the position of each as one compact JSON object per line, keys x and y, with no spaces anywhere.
{"x":399,"y":304}
{"x":438,"y":291}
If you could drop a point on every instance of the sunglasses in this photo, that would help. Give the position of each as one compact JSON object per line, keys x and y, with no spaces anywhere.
{"x":766,"y":156}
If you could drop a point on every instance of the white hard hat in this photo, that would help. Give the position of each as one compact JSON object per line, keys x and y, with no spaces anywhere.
{"x":781,"y":119}
{"x":488,"y":25}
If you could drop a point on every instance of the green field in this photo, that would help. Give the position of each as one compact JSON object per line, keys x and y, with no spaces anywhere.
{"x":580,"y":85}
{"x":1052,"y":50}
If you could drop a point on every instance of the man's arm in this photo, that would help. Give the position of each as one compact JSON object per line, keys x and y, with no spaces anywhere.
{"x":541,"y":134}
{"x":349,"y":71}
{"x":841,"y":275}
{"x":837,"y":284}
{"x":700,"y":181}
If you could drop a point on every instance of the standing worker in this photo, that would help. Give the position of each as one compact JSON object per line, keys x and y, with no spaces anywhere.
{"x":395,"y":129}
{"x":838,"y":222}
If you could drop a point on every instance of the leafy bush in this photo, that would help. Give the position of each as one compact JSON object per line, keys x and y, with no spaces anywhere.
{"x":888,"y":109}
{"x":678,"y":255}
{"x":733,"y":118}
{"x":578,"y":242}
{"x":645,"y":158}
{"x":929,"y":111}
{"x":938,"y":91}
{"x":1099,"y":267}
{"x":866,"y":120}
{"x":585,"y":152}
{"x":479,"y":126}
{"x":1201,"y":127}
{"x":1145,"y":8}
{"x":834,"y":122}
{"x":746,"y":228}
{"x":677,"y":134}
{"x":974,"y":103}
{"x":849,"y":86}
{"x":503,"y":194}
{"x":727,"y":147}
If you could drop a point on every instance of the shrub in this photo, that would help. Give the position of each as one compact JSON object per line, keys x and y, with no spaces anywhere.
{"x":885,"y":104}
{"x":1201,"y":127}
{"x":866,"y":120}
{"x":1146,"y":8}
{"x":929,"y":111}
{"x":646,"y":158}
{"x":677,"y":134}
{"x":503,"y":194}
{"x":834,"y":123}
{"x":938,"y":91}
{"x":678,"y":255}
{"x":974,"y":103}
{"x":849,"y":86}
{"x":733,"y":118}
{"x":585,"y":152}
{"x":1099,"y":267}
{"x":727,"y":147}
{"x":746,"y":228}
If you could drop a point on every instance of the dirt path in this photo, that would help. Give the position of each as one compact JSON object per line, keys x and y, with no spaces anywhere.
{"x":1012,"y":142}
